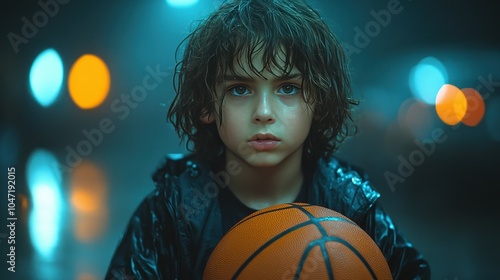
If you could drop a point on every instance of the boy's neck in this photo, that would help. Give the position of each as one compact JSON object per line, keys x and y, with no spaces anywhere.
{"x":260,"y":187}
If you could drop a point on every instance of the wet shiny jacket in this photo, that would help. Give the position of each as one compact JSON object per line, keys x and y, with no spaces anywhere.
{"x":176,"y":227}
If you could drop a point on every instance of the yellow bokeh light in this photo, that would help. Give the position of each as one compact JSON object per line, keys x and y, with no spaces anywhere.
{"x":89,"y":81}
{"x":451,"y":104}
{"x":475,"y":107}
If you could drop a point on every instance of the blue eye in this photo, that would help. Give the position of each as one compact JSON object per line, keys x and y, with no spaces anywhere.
{"x":289,"y":89}
{"x":239,"y":90}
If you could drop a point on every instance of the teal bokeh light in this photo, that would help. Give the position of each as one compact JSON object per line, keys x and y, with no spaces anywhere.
{"x":46,"y":77}
{"x":426,"y":78}
{"x":45,"y":219}
{"x":181,"y":3}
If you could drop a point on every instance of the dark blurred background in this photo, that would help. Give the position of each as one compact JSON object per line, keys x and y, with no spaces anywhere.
{"x":75,"y":193}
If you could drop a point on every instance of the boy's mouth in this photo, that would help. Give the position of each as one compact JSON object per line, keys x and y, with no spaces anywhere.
{"x":264,"y":142}
{"x":264,"y":136}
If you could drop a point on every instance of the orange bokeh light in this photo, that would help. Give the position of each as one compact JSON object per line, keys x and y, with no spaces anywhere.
{"x":89,"y":81}
{"x":24,"y":206}
{"x":88,"y":186}
{"x":86,"y":276}
{"x":451,"y":104}
{"x":475,"y":107}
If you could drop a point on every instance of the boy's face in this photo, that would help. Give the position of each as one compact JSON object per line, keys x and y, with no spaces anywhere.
{"x":265,"y":120}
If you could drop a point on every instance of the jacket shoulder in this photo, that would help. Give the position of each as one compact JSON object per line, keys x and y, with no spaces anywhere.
{"x":344,"y":188}
{"x":173,"y":165}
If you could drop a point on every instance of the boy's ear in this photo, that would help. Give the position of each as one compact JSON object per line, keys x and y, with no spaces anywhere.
{"x":206,"y":118}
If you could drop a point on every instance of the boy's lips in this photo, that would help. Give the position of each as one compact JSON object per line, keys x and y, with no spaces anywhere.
{"x":264,"y":136}
{"x":264,"y":142}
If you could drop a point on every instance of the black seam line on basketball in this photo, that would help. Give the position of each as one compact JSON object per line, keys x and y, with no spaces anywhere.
{"x":264,"y":246}
{"x":313,"y":219}
{"x":269,"y":211}
{"x":316,"y":221}
{"x":326,"y":258}
{"x":280,"y":235}
{"x":356,"y":252}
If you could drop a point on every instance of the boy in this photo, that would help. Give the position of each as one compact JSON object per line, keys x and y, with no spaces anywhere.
{"x":263,"y":100}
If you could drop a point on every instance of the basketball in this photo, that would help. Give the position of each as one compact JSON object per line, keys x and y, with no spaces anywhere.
{"x":296,"y":241}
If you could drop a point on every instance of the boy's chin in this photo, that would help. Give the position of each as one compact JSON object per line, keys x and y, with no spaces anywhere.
{"x":267,"y":159}
{"x":263,"y":160}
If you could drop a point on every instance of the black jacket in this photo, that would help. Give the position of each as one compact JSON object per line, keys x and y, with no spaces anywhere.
{"x":176,"y":227}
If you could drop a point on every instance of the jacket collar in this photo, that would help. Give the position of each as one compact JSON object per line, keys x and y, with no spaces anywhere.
{"x":332,"y":183}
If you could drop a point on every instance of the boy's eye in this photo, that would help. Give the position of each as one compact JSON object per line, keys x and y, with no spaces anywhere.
{"x":239,"y":90}
{"x":289,"y":89}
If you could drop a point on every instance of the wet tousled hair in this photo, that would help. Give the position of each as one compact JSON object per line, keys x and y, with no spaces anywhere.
{"x":235,"y":33}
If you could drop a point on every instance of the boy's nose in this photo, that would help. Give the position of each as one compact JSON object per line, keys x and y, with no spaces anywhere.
{"x":263,"y":110}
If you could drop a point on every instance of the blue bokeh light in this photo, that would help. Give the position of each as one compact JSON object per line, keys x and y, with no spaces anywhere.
{"x":46,"y":77}
{"x":426,"y":78}
{"x":44,"y":183}
{"x":181,"y":3}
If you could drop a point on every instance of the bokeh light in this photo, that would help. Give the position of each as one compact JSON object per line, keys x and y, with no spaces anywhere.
{"x":426,"y":78}
{"x":475,"y":107}
{"x":175,"y":156}
{"x":23,"y":202}
{"x":87,"y":276}
{"x":403,"y":109}
{"x":181,"y":3}
{"x":415,"y":118}
{"x":89,"y":81}
{"x":46,"y":77}
{"x":88,"y":185}
{"x":44,"y":183}
{"x":451,"y":104}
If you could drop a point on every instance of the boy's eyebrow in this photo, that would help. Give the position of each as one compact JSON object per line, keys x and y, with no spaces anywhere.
{"x":237,"y":77}
{"x":290,"y":76}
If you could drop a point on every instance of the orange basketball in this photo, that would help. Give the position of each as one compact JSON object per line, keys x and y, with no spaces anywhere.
{"x":296,"y":241}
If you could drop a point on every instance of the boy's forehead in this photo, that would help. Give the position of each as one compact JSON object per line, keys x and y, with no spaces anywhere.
{"x":258,"y":65}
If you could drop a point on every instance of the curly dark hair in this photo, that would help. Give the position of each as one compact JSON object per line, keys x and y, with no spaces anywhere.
{"x":239,"y":29}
